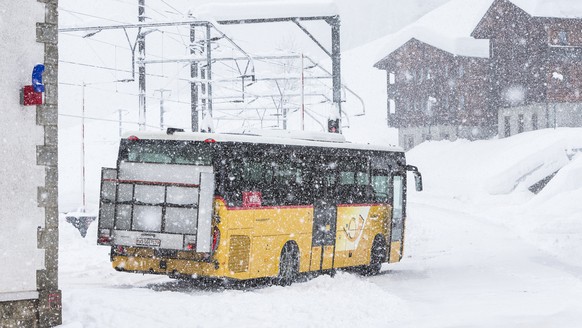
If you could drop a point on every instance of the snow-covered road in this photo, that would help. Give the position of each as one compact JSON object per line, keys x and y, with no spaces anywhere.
{"x":464,"y":270}
{"x":460,"y":270}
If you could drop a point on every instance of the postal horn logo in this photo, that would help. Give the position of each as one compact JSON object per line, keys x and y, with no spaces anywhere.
{"x":354,"y":228}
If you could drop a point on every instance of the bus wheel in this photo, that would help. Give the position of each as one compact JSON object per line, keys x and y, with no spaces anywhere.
{"x":377,"y":257}
{"x":288,"y":265}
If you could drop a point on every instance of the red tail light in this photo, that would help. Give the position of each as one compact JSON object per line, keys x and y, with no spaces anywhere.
{"x":210,"y":140}
{"x":215,"y":238}
{"x":104,"y":240}
{"x":191,"y":247}
{"x":120,"y":250}
{"x":133,"y":138}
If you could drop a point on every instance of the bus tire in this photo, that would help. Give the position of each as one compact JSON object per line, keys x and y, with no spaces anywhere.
{"x":377,"y":256}
{"x":288,"y":264}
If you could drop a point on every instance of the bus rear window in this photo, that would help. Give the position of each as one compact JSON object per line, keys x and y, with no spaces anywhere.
{"x":165,"y":152}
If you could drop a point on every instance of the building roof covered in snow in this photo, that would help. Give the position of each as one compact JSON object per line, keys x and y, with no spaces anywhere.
{"x":265,"y":10}
{"x":448,"y":28}
{"x":551,"y":8}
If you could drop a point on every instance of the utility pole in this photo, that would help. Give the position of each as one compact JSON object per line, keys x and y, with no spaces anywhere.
{"x":334,"y":123}
{"x":162,"y":111}
{"x":83,"y":146}
{"x":142,"y":70}
{"x":302,"y":93}
{"x":120,"y":120}
{"x":193,"y":85}
{"x":209,"y":69}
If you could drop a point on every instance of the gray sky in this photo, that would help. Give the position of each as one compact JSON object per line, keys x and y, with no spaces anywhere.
{"x":362,"y":20}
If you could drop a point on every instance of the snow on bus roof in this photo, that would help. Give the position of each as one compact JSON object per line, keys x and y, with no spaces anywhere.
{"x":255,"y":10}
{"x":295,"y":138}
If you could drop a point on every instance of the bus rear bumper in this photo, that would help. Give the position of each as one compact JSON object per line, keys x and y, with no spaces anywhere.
{"x":171,"y":267}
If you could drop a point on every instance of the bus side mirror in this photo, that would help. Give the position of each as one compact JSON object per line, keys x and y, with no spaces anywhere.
{"x":417,"y":176}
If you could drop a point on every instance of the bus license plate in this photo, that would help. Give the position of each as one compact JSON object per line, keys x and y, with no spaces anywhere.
{"x":147,"y":242}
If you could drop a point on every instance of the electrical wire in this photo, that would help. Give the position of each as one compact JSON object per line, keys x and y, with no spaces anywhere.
{"x":167,"y":4}
{"x":92,"y":16}
{"x":146,"y":6}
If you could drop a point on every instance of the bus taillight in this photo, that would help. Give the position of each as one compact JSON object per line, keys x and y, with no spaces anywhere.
{"x":210,"y":140}
{"x":133,"y":138}
{"x":215,"y":238}
{"x":120,"y":250}
{"x":104,"y":237}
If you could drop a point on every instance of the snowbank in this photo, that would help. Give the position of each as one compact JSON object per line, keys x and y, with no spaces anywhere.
{"x":490,"y":178}
{"x":493,"y":167}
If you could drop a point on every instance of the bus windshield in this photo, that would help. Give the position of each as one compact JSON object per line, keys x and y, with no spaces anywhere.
{"x":165,"y":152}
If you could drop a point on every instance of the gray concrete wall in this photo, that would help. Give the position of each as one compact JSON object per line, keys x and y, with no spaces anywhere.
{"x":412,"y":136}
{"x":549,"y":115}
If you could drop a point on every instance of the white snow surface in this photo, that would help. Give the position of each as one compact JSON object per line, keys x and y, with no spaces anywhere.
{"x":262,"y":9}
{"x":447,"y":27}
{"x":472,"y":258}
{"x":551,"y":8}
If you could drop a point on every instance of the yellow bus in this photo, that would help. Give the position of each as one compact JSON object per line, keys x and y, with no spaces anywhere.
{"x":245,"y":206}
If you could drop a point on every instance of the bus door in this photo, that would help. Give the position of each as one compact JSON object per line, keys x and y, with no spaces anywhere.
{"x":397,"y":225}
{"x":161,"y":206}
{"x":324,"y":218}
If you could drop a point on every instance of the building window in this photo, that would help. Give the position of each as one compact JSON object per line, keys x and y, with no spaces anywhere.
{"x":507,"y":126}
{"x":408,"y":77}
{"x":520,"y":123}
{"x":409,"y":141}
{"x":563,"y":38}
{"x":462,"y":102}
{"x":391,"y":78}
{"x":534,"y":121}
{"x":392,"y":106}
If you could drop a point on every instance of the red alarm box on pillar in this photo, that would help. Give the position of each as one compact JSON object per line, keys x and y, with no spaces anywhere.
{"x":29,"y":97}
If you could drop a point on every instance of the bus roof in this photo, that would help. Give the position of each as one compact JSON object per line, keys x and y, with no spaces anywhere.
{"x":277,"y":137}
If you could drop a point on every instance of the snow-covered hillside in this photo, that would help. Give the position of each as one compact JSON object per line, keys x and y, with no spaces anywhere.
{"x":477,"y":254}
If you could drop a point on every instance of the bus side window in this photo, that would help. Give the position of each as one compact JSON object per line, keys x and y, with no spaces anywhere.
{"x":381,"y":185}
{"x":288,"y":181}
{"x":354,"y":182}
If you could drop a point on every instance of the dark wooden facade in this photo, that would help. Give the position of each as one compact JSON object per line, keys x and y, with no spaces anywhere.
{"x":531,"y":79}
{"x":429,"y":86}
{"x":533,"y":59}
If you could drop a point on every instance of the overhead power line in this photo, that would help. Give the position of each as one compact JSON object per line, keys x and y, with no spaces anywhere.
{"x":89,"y":15}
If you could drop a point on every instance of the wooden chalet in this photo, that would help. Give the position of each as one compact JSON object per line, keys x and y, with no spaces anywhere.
{"x":437,"y":78}
{"x":536,"y":61}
